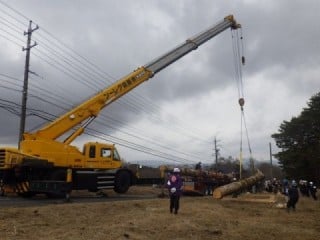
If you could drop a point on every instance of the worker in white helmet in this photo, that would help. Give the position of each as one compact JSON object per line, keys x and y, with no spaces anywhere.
{"x":293,"y":196}
{"x":174,"y":185}
{"x":313,"y":190}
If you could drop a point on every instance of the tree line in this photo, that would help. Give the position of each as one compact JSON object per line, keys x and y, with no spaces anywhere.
{"x":299,"y":143}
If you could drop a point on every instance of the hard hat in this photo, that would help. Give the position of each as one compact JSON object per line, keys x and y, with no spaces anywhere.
{"x":176,"y":170}
{"x":311,"y":183}
{"x":294,"y":184}
{"x":173,"y":190}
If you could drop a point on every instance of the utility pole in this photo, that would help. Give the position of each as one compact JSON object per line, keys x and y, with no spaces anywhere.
{"x":271,"y":170}
{"x":216,"y":152}
{"x":25,"y":82}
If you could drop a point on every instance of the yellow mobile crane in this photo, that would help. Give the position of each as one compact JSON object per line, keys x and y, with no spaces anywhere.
{"x":43,"y":164}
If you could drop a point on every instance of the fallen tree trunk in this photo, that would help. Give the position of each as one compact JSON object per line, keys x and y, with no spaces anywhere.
{"x":198,"y":173}
{"x":233,"y":187}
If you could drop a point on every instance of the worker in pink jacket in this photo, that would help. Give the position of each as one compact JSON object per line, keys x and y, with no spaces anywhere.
{"x":174,"y":185}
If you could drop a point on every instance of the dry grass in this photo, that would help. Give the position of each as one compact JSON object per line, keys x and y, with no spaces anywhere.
{"x":199,"y":218}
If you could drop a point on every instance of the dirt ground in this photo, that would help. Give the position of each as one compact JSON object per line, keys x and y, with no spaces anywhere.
{"x":250,"y":216}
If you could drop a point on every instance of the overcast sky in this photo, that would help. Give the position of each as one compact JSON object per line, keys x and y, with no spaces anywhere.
{"x":83,"y":46}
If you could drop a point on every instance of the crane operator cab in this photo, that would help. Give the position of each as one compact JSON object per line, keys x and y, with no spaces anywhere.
{"x":101,"y":155}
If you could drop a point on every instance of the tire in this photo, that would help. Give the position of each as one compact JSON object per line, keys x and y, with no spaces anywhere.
{"x":122,"y":181}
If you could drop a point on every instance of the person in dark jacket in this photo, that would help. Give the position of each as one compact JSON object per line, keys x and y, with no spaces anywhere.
{"x":174,"y":185}
{"x":198,"y":166}
{"x":293,"y":196}
{"x":313,"y":190}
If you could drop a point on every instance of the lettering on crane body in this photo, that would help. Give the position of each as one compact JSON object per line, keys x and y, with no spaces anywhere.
{"x":121,"y":87}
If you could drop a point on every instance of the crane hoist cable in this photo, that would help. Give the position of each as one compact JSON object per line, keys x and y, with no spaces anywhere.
{"x":239,"y":61}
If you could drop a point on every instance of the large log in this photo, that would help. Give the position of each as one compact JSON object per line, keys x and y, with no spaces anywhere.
{"x":198,"y":173}
{"x":230,"y":188}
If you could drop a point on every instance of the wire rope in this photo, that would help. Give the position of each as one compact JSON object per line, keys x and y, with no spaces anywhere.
{"x":239,"y":61}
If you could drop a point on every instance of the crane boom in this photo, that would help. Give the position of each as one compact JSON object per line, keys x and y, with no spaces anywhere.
{"x":89,"y":109}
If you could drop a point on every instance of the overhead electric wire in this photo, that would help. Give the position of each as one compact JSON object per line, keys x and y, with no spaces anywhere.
{"x":11,"y":88}
{"x":12,"y":28}
{"x":100,"y":73}
{"x":15,"y":11}
{"x":10,"y":34}
{"x":70,"y":72}
{"x":91,"y":76}
{"x":143,"y":148}
{"x":98,"y":134}
{"x":48,"y":95}
{"x":41,"y":113}
{"x":10,"y":83}
{"x":167,"y":157}
{"x":150,"y":141}
{"x":11,"y":24}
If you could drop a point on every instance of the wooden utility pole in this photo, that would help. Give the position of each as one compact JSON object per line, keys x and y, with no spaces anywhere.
{"x":216,"y":152}
{"x":25,"y":82}
{"x":271,"y":167}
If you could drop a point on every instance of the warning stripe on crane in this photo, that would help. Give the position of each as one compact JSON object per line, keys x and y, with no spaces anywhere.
{"x":22,"y":187}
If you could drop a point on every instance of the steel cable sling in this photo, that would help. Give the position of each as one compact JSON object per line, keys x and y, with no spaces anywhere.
{"x":239,"y":61}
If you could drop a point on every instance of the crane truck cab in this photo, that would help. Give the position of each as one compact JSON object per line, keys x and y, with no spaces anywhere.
{"x":101,"y":155}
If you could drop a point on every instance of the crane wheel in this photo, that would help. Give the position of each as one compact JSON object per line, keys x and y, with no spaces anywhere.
{"x":122,"y":181}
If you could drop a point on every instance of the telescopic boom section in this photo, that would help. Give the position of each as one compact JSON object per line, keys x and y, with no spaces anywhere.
{"x":192,"y":44}
{"x":89,"y":109}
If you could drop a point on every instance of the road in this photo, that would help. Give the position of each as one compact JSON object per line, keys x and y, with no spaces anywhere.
{"x":42,"y":200}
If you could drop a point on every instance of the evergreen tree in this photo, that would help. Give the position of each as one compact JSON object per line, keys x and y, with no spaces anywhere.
{"x":299,"y":141}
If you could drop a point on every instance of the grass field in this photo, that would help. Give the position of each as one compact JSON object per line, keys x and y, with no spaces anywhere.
{"x":259,"y":216}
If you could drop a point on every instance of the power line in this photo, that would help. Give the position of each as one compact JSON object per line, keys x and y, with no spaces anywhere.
{"x":15,"y":11}
{"x":13,"y":107}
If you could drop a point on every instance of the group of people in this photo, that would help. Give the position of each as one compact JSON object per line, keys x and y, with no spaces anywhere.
{"x":289,"y":188}
{"x":305,"y":188}
{"x":273,"y":185}
{"x":293,"y":190}
{"x":308,"y":189}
